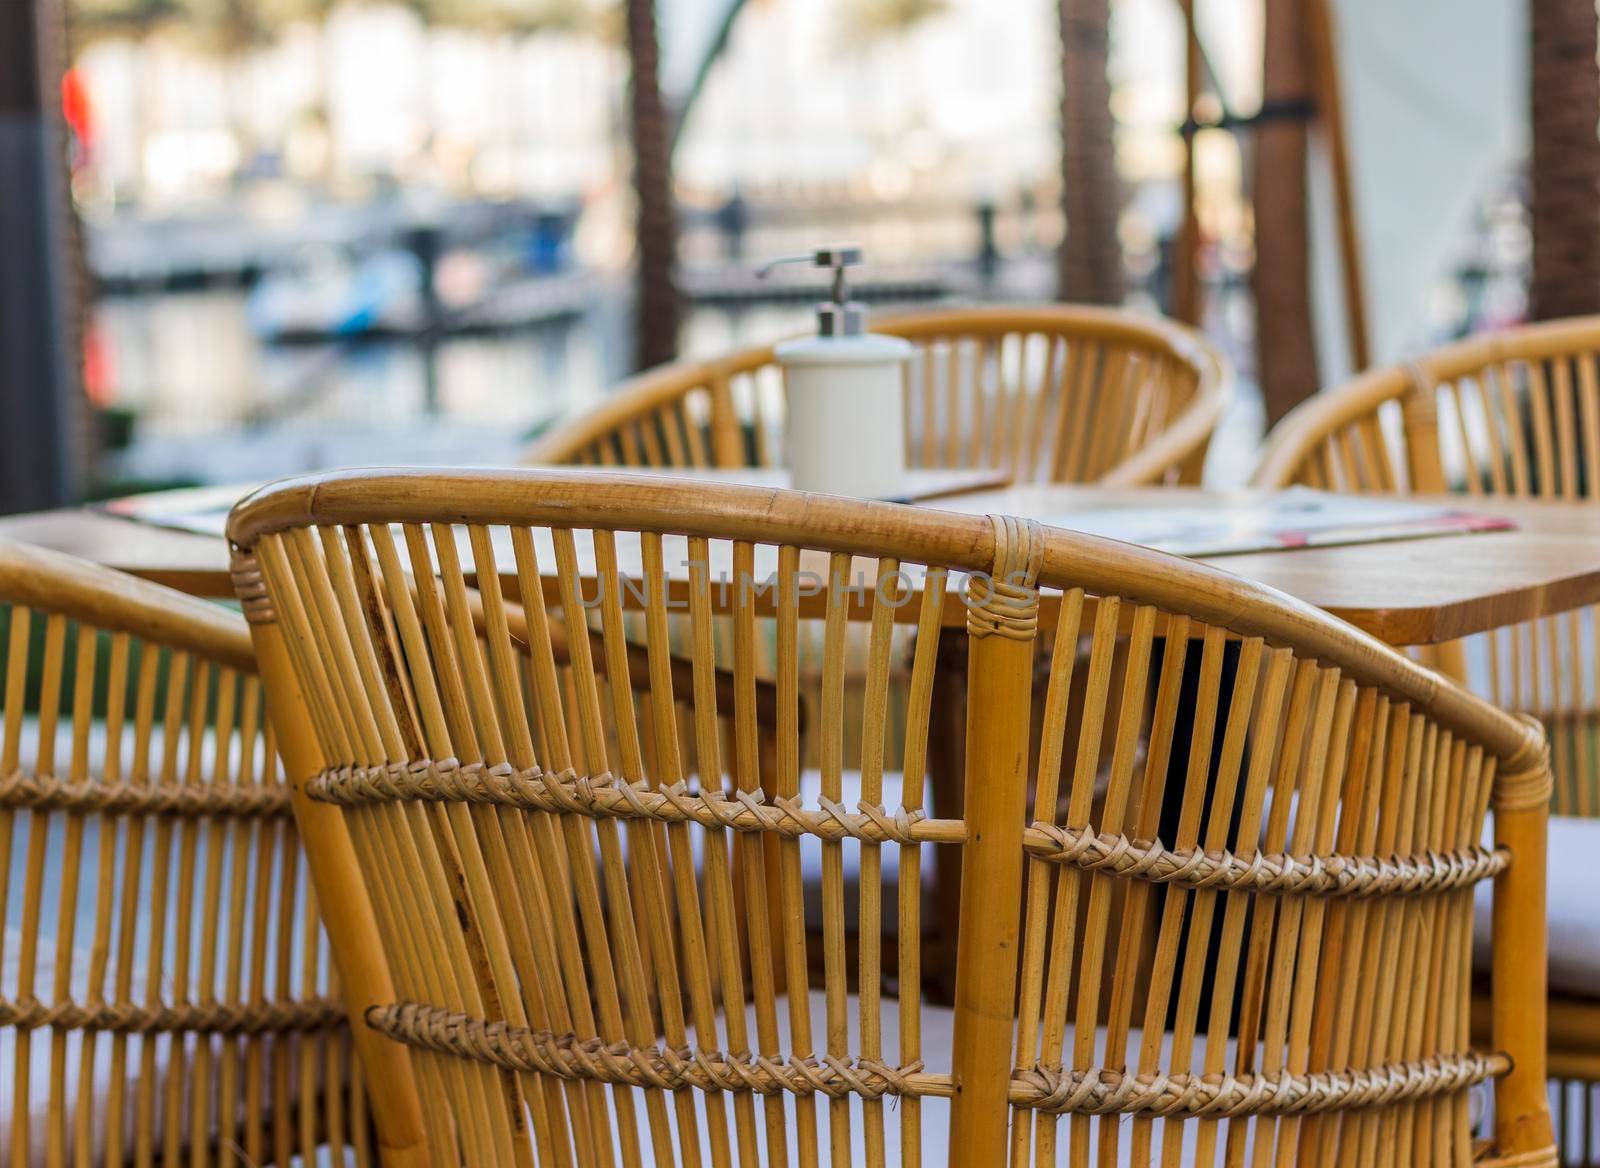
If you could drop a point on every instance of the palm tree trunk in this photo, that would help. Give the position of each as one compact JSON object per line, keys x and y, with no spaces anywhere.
{"x":656,"y":305}
{"x":1565,"y":167}
{"x":1089,"y":263}
{"x":1286,"y":347}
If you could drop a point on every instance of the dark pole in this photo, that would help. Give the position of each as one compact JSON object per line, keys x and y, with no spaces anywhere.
{"x":657,"y":306}
{"x":1286,"y":342}
{"x":1089,"y":264}
{"x":1565,"y":163}
{"x":38,"y":389}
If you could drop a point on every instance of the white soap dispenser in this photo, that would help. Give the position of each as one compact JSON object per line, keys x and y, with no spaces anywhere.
{"x":846,"y":395}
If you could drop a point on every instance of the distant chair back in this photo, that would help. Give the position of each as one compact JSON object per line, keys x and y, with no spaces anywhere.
{"x":1514,"y":414}
{"x":1062,"y":393}
{"x":588,"y":921}
{"x":165,"y":986}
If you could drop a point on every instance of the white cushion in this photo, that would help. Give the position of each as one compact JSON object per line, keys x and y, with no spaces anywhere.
{"x":1572,"y":893}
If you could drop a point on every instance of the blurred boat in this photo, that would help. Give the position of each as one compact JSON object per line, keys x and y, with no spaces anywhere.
{"x":327,"y":295}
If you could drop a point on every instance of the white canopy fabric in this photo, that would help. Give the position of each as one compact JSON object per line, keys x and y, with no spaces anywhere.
{"x":1436,"y":105}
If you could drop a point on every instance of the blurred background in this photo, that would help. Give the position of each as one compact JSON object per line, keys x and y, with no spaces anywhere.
{"x":275,"y":235}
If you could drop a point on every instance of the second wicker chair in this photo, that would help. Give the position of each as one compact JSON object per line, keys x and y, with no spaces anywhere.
{"x":1512,"y":414}
{"x":1062,"y":393}
{"x":166,"y":992}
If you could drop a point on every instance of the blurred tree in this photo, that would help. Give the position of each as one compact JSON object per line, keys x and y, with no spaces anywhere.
{"x":1564,"y":170}
{"x":721,"y":32}
{"x":229,"y":27}
{"x":532,"y":17}
{"x":893,"y":18}
{"x":94,"y":20}
{"x":1089,"y":264}
{"x":1286,"y":347}
{"x":656,"y":305}
{"x":232,"y":30}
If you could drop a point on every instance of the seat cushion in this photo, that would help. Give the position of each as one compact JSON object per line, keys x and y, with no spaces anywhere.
{"x":1573,"y":891}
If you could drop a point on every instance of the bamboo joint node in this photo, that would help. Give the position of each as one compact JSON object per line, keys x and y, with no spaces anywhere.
{"x":51,"y":793}
{"x":567,"y":1056}
{"x":1006,"y":602}
{"x":605,"y":796}
{"x":250,"y":588}
{"x":1276,"y":873}
{"x":1525,"y":780}
{"x":1421,"y":406}
{"x":243,"y":1018}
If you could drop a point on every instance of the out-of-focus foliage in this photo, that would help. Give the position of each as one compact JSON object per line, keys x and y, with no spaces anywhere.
{"x":92,"y":20}
{"x":888,"y":18}
{"x":228,"y":26}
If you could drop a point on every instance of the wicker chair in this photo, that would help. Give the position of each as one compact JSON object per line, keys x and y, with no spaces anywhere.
{"x":1064,"y":393}
{"x":1514,"y":413}
{"x":165,"y":990}
{"x":579,"y":942}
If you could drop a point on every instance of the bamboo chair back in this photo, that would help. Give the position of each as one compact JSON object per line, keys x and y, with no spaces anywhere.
{"x":1065,"y":393}
{"x":592,"y":950}
{"x":165,"y":987}
{"x":1515,"y":413}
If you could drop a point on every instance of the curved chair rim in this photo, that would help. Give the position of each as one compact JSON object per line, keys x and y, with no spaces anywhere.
{"x":113,"y":601}
{"x":963,"y":542}
{"x":662,"y":383}
{"x":1310,"y":422}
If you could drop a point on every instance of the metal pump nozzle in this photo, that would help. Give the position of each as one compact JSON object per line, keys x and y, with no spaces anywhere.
{"x":837,"y":316}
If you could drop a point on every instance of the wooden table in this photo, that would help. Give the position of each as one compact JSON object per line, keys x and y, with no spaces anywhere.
{"x":1406,"y":592}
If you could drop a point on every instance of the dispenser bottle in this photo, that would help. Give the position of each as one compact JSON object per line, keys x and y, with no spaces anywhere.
{"x":846,"y":395}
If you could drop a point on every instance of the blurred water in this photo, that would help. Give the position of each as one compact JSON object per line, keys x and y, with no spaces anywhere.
{"x":215,"y":403}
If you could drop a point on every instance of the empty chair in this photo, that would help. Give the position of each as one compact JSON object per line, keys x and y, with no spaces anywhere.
{"x":166,"y":991}
{"x":585,"y":915}
{"x":1511,"y":414}
{"x":1060,"y":393}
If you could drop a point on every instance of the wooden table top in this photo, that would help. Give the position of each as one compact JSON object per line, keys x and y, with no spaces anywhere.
{"x":1405,"y":592}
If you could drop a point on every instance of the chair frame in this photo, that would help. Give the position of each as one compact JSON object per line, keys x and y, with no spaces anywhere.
{"x":95,"y":599}
{"x":1178,"y":451}
{"x":1003,"y":641}
{"x":1303,"y":435}
{"x":1334,"y":440}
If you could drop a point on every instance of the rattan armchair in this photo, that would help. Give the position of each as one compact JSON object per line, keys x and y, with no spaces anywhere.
{"x":1515,"y":414}
{"x":588,"y":945}
{"x":1064,"y":393}
{"x":165,"y":988}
